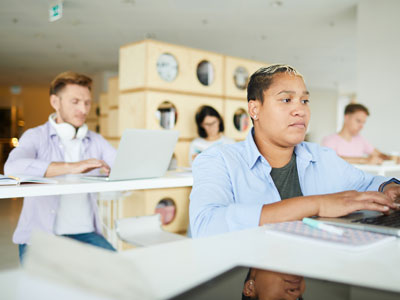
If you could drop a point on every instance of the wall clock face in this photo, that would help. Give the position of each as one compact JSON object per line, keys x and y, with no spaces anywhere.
{"x":240,"y":77}
{"x":167,"y":67}
{"x":205,"y":72}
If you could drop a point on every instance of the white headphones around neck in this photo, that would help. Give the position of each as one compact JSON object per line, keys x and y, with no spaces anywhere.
{"x":66,"y":131}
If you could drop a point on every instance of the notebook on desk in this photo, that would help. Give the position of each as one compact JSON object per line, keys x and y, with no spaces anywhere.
{"x":369,"y":221}
{"x":141,"y":154}
{"x":352,"y":239}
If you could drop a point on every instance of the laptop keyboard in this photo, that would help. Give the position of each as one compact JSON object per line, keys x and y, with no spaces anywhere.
{"x":392,"y":220}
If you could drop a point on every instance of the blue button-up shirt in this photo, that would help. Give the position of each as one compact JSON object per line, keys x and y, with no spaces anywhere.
{"x":233,"y":182}
{"x":37,"y":149}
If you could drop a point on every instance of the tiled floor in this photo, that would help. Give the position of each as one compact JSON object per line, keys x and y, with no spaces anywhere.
{"x":9,"y":213}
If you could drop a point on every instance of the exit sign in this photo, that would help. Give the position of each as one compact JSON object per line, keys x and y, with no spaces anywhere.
{"x":55,"y":12}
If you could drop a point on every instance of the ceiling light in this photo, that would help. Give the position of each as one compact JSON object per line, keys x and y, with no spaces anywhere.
{"x":149,"y":35}
{"x":277,"y":3}
{"x":129,"y":2}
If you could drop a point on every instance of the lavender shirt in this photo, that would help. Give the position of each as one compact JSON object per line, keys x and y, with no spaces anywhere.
{"x":38,"y":147}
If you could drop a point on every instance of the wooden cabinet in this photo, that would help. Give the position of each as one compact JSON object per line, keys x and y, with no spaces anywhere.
{"x":236,"y":75}
{"x":156,"y":65}
{"x":161,"y":85}
{"x":146,"y":109}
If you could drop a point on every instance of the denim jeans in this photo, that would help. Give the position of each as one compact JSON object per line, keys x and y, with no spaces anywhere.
{"x":91,"y":238}
{"x":22,"y":250}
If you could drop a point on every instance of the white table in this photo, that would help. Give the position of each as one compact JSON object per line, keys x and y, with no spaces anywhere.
{"x":74,"y":184}
{"x":195,"y":261}
{"x":382,"y":170}
{"x":169,"y":269}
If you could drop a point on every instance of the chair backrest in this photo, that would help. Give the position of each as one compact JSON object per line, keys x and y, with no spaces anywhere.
{"x":144,"y":231}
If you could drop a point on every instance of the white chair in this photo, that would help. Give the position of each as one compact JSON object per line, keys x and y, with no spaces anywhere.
{"x":144,"y":231}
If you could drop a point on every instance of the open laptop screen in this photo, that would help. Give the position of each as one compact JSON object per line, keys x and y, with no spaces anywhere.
{"x":142,"y":153}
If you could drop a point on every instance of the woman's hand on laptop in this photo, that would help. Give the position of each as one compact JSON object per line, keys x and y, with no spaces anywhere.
{"x":88,"y":165}
{"x":392,"y":190}
{"x":341,"y":204}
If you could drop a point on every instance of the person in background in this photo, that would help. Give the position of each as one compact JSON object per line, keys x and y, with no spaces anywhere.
{"x":268,"y":285}
{"x":350,"y":145}
{"x":210,"y":128}
{"x":274,"y":176}
{"x":63,"y":145}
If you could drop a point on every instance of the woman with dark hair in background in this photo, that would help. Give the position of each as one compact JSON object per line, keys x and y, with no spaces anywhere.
{"x":210,"y":127}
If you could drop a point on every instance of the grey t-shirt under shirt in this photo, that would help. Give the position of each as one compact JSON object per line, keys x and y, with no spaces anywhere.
{"x":286,"y":180}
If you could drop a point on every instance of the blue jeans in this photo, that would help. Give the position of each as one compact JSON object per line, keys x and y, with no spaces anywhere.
{"x":22,"y":250}
{"x":91,"y":238}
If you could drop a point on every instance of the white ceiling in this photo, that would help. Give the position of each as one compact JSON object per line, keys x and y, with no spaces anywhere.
{"x":318,"y":37}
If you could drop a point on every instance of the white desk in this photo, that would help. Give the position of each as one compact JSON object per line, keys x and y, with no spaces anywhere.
{"x":74,"y":184}
{"x":382,"y":170}
{"x":168,"y":269}
{"x":174,"y":267}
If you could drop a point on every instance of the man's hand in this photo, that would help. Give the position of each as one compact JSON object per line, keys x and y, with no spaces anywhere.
{"x":341,"y":204}
{"x":396,"y":159}
{"x":84,"y":166}
{"x":374,"y":160}
{"x":88,"y":165}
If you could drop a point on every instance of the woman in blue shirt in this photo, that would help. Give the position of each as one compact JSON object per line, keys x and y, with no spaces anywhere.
{"x":241,"y":185}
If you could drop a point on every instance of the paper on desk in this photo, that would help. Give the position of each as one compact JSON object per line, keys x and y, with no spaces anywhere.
{"x":144,"y":231}
{"x":353,"y":239}
{"x":86,"y":267}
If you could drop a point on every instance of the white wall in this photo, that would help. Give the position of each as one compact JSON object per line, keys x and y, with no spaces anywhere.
{"x":100,"y":83}
{"x":323,"y":105}
{"x":378,"y":70}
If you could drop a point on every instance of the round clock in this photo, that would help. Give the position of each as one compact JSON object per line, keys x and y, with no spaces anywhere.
{"x":240,"y":77}
{"x":205,"y":72}
{"x":167,"y":67}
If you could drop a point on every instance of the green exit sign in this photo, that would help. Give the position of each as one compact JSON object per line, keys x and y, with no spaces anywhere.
{"x":55,"y":12}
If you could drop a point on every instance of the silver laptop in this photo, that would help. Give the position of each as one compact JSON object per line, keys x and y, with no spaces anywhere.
{"x":142,"y":153}
{"x":369,"y":221}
